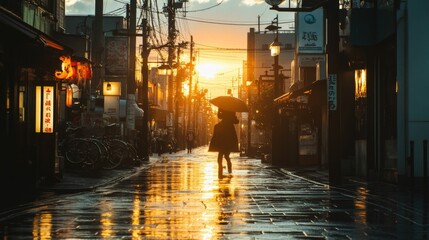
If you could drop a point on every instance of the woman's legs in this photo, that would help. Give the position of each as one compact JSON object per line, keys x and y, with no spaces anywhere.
{"x":219,"y":164}
{"x":228,"y":161}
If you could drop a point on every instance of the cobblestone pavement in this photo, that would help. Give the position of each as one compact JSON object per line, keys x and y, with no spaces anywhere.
{"x":179,"y":196}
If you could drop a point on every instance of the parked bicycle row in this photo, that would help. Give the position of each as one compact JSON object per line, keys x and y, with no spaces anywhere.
{"x":84,"y":149}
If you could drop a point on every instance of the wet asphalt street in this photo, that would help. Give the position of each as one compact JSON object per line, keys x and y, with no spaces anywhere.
{"x":179,"y":196}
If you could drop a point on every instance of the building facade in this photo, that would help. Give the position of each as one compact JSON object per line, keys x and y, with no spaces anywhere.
{"x":30,"y":60}
{"x":259,"y":83}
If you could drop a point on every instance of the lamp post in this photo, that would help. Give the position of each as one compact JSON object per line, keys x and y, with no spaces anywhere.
{"x":275,"y":48}
{"x":249,"y":119}
{"x":145,"y":78}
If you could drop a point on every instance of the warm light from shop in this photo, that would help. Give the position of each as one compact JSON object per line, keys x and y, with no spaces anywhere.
{"x":360,"y":83}
{"x":38,"y":110}
{"x":21,"y":104}
{"x":69,"y":96}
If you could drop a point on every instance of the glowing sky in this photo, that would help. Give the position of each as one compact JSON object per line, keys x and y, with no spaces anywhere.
{"x":219,"y":30}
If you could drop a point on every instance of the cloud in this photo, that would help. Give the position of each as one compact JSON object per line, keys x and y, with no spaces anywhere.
{"x":201,"y":1}
{"x":252,"y":2}
{"x":80,"y":7}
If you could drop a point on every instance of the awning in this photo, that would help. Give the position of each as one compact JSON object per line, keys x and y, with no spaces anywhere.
{"x":301,"y":91}
{"x":10,"y":20}
{"x":50,"y":43}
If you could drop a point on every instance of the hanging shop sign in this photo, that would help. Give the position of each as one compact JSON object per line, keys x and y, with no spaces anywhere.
{"x":74,"y":70}
{"x":67,"y":70}
{"x":310,"y":31}
{"x":45,"y":107}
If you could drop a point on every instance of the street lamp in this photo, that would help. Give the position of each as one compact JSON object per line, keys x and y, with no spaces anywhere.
{"x":274,"y":2}
{"x":275,"y":48}
{"x":165,"y":70}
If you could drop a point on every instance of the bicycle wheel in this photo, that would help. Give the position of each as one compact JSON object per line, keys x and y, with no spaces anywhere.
{"x":83,"y":152}
{"x":75,"y":151}
{"x":117,"y":154}
{"x":133,"y":156}
{"x":103,"y":153}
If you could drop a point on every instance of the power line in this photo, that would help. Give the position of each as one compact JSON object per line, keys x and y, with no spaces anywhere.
{"x":231,"y":23}
{"x":204,"y":9}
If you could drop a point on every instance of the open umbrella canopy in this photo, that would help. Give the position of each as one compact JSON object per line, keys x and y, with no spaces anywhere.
{"x":230,"y":103}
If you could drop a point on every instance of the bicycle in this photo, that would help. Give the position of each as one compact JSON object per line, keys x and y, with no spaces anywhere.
{"x":79,"y":151}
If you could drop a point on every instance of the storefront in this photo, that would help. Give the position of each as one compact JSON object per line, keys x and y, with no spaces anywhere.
{"x":29,"y":103}
{"x":300,"y":115}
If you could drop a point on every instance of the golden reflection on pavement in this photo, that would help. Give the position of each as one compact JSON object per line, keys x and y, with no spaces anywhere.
{"x":106,"y":219}
{"x":360,"y":206}
{"x":135,"y":219}
{"x":42,"y":226}
{"x":185,"y":199}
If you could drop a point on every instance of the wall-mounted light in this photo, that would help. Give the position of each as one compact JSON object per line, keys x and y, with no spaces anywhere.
{"x":112,"y":88}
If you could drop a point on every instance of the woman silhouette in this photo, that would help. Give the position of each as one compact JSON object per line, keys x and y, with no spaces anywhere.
{"x":224,"y":140}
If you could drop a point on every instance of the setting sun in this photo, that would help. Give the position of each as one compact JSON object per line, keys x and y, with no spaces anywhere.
{"x":208,"y":70}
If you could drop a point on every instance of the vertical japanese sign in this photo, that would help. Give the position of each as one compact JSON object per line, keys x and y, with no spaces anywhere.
{"x":332,"y":92}
{"x":310,"y":31}
{"x":48,"y":109}
{"x":44,"y":109}
{"x":116,"y":55}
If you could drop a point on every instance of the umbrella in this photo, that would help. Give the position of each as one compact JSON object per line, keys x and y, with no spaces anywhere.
{"x":230,"y":103}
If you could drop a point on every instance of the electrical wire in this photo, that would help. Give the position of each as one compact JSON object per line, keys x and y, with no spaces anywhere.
{"x":205,"y":9}
{"x":232,"y":23}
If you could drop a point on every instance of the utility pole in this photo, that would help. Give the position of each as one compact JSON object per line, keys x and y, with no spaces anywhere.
{"x":177,"y":100}
{"x":131,"y":81}
{"x":191,"y":70}
{"x":145,"y":81}
{"x":98,"y":44}
{"x":171,"y":56}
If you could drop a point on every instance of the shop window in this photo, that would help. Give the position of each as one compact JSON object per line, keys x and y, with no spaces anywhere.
{"x":360,"y":83}
{"x":21,"y":103}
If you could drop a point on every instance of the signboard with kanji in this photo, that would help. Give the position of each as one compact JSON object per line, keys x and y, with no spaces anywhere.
{"x":332,"y":92}
{"x":45,"y":107}
{"x":310,"y":29}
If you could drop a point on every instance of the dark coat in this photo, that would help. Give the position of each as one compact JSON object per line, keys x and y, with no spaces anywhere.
{"x":224,"y":137}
